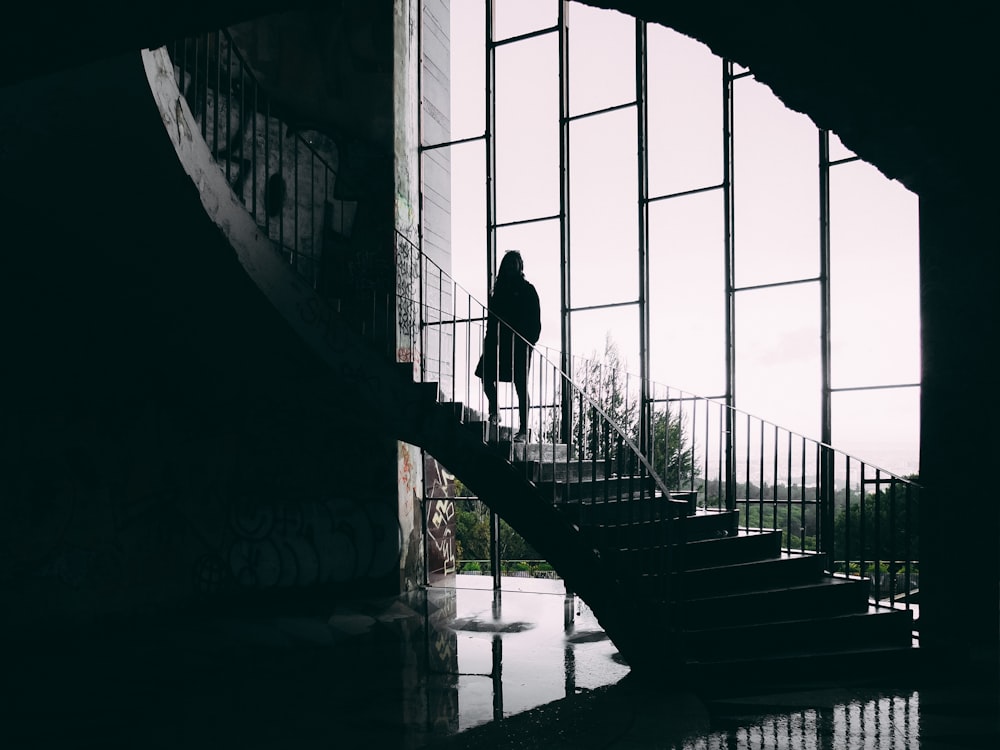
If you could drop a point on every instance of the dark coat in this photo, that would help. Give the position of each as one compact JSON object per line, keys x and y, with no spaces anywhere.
{"x":513,"y":309}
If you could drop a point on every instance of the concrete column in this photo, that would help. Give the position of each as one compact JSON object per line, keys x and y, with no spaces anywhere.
{"x":960,"y":510}
{"x":405,"y":108}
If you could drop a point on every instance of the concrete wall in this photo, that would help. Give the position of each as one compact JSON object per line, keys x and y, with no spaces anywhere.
{"x":169,"y":437}
{"x":435,"y":166}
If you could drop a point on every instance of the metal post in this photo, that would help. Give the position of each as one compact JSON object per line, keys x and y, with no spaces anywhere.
{"x":642,"y":133}
{"x":730,"y":280}
{"x":564,"y":238}
{"x":491,"y":148}
{"x":826,"y":517}
{"x":495,"y":548}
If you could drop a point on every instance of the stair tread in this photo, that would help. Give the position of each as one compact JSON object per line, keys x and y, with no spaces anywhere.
{"x":746,"y":565}
{"x":723,"y":630}
{"x":796,"y":655}
{"x":828,"y":581}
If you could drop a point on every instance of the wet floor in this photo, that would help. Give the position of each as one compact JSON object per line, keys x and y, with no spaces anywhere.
{"x":453,"y":667}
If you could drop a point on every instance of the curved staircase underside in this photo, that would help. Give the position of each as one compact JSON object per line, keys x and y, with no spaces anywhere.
{"x":687,"y":598}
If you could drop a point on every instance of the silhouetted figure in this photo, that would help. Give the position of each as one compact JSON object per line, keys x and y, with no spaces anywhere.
{"x":513,"y":324}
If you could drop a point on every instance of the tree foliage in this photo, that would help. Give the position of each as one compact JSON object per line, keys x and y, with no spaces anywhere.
{"x":607,"y":387}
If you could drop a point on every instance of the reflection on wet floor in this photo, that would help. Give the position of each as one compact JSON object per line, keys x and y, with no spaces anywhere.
{"x":456,"y":666}
{"x":512,"y":650}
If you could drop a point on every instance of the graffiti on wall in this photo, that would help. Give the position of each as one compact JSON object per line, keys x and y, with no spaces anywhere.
{"x":439,"y":489}
{"x":305,"y":544}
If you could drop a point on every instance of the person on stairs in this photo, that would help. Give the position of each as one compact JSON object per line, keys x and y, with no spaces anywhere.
{"x":513,"y":325}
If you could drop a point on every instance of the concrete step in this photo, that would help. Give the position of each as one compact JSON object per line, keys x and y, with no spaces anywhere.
{"x":760,"y":575}
{"x":745,"y":546}
{"x":856,"y":666}
{"x":599,"y":491}
{"x":872,"y":628}
{"x":620,"y":510}
{"x":827,"y":598}
{"x":707,"y":524}
{"x":562,"y":470}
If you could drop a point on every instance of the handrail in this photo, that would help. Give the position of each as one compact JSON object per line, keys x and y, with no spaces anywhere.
{"x":817,"y":507}
{"x":848,"y":528}
{"x":282,"y":179}
{"x":482,"y":317}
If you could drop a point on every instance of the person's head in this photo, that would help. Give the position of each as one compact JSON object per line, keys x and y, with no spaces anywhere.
{"x":511,"y":265}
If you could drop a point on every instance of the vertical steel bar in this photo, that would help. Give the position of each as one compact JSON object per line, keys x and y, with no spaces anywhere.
{"x":802,"y":498}
{"x":313,"y":245}
{"x":862,"y":536}
{"x":284,"y":192}
{"x":760,"y":489}
{"x":877,"y":542}
{"x":907,"y":541}
{"x":491,"y":155}
{"x":847,"y":518}
{"x":642,"y":137}
{"x":229,"y":110}
{"x":218,"y":89}
{"x":774,"y":483}
{"x":825,"y":515}
{"x":747,"y":475}
{"x":295,"y":209}
{"x":490,"y":136}
{"x":729,"y":266}
{"x":565,"y":256}
{"x":892,"y":540}
{"x":200,"y":92}
{"x":253,"y":154}
{"x":267,"y":163}
{"x":788,"y":489}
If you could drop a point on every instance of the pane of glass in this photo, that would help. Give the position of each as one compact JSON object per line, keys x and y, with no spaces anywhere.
{"x":527,"y":129}
{"x":874,"y":284}
{"x":686,"y":303}
{"x":593,"y":329}
{"x":881,"y":427}
{"x":684,"y":95}
{"x":778,"y":374}
{"x":604,"y":252}
{"x":467,"y":216}
{"x":454,"y":234}
{"x":601,"y":58}
{"x":516,"y":17}
{"x":538,"y":244}
{"x":776,"y":189}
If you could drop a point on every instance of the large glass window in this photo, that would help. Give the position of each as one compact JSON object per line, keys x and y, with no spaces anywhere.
{"x":604,"y":251}
{"x":776,"y":189}
{"x":685,"y":109}
{"x":527,"y":129}
{"x":600,"y":228}
{"x":687,"y":319}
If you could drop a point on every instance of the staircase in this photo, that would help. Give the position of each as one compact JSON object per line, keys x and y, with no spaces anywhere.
{"x":686,"y":596}
{"x":744,"y":614}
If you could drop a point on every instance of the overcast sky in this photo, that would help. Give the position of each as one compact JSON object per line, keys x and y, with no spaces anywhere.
{"x":874,"y":283}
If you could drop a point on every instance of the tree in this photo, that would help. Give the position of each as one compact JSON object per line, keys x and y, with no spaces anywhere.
{"x":673,"y":455}
{"x":610,"y":389}
{"x":883,"y":527}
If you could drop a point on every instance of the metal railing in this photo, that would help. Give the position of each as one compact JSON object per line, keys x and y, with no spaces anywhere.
{"x":588,"y":424}
{"x":286,"y":178}
{"x":862,"y":517}
{"x":575,"y":452}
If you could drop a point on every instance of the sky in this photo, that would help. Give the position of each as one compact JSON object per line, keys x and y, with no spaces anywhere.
{"x":874,"y":281}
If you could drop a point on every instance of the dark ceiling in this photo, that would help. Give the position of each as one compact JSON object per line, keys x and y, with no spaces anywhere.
{"x":908,"y":87}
